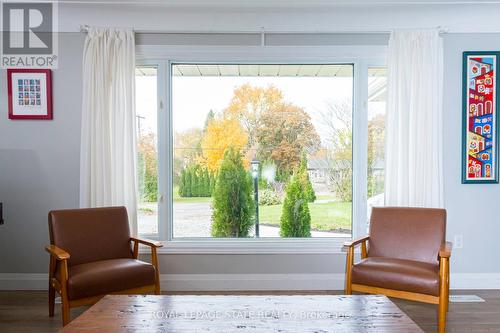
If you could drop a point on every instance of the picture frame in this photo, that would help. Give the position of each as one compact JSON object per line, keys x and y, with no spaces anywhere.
{"x":480,"y":117}
{"x":30,"y":94}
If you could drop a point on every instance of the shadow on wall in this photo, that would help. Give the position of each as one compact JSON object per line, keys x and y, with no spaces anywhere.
{"x":25,"y":193}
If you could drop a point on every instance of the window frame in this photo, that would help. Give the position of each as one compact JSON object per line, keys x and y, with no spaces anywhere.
{"x":162,"y":57}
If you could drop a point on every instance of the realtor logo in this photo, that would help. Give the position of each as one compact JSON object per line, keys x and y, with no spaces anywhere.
{"x":29,"y":38}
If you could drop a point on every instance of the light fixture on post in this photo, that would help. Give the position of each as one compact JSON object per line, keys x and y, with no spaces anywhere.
{"x":255,"y":175}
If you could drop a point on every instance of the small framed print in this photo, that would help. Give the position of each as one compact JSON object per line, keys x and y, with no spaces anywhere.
{"x":30,"y":93}
{"x":480,"y":117}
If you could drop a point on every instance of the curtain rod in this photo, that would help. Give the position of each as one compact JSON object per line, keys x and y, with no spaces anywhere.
{"x":442,"y":30}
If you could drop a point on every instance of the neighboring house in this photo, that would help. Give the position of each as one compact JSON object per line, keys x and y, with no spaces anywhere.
{"x":322,"y":171}
{"x":318,"y":169}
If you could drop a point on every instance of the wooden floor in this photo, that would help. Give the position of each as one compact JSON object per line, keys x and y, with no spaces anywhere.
{"x":26,"y":311}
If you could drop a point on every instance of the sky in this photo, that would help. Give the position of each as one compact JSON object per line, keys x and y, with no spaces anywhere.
{"x":194,"y":97}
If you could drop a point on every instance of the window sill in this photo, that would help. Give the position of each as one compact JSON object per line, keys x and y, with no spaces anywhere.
{"x":253,"y":246}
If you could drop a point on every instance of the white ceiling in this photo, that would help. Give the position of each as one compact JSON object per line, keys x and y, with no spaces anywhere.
{"x":278,"y":3}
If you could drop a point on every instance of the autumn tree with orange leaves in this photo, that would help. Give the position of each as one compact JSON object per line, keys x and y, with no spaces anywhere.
{"x":284,"y":133}
{"x":249,"y":103}
{"x":221,"y":133}
{"x":277,"y":131}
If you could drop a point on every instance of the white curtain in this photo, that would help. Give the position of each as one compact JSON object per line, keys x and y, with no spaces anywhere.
{"x":414,"y":167}
{"x":108,"y":160}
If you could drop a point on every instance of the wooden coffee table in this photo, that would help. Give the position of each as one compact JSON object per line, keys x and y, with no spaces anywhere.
{"x":224,"y":314}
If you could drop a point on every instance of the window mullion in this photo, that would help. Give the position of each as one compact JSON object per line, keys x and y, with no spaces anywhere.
{"x":360,"y":149}
{"x":164,"y":152}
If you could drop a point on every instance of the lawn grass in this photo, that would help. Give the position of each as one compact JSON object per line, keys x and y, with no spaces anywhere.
{"x":329,"y":216}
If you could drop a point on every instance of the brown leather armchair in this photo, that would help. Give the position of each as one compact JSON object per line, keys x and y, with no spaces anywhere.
{"x":91,"y":256}
{"x":405,"y":256}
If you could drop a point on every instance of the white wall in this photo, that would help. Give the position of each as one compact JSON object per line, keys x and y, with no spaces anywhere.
{"x":473,"y":210}
{"x":39,"y":160}
{"x":39,"y":164}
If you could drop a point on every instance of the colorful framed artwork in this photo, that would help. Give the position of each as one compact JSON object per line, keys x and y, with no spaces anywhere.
{"x":480,"y":117}
{"x":30,"y":93}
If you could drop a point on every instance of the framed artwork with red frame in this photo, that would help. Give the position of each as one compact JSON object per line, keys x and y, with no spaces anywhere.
{"x":30,"y":93}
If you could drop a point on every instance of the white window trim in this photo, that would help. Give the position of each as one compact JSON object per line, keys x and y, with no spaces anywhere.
{"x":162,"y":56}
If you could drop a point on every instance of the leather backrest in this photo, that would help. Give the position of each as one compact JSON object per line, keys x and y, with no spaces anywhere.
{"x":407,"y":233}
{"x":91,"y":234}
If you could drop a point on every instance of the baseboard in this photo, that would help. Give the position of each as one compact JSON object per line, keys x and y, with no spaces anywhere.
{"x":475,"y":281}
{"x":244,"y":282}
{"x":234,"y":282}
{"x":203,"y":282}
{"x":24,"y":281}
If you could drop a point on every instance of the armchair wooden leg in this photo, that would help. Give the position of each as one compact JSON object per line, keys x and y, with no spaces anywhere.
{"x":448,"y":290}
{"x":154,"y":259}
{"x":443,"y":294}
{"x":52,"y":300}
{"x":348,"y":269}
{"x":52,"y":291}
{"x":442,"y":316}
{"x":66,"y":314}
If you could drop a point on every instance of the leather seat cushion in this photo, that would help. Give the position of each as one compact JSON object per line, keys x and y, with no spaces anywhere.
{"x":397,"y":274}
{"x":107,"y":276}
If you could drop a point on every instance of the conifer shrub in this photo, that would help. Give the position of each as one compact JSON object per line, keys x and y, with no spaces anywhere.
{"x":310,"y":195}
{"x":295,"y":217}
{"x":233,"y":206}
{"x":195,"y":181}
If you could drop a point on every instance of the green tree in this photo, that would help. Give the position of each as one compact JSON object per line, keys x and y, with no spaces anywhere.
{"x":195,"y":182}
{"x":147,"y":166}
{"x":206,"y":183}
{"x":376,"y":154}
{"x":233,"y":206}
{"x":213,"y":181}
{"x":307,"y":187}
{"x":182,"y":183}
{"x":189,"y":183}
{"x":295,"y":217}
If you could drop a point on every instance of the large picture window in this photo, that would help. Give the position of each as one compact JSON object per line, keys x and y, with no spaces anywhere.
{"x":291,"y":123}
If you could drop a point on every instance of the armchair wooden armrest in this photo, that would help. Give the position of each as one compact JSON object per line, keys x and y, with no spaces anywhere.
{"x":349,"y":247}
{"x":147,"y":242}
{"x":445,"y":251}
{"x":56,"y":252}
{"x":356,"y":241}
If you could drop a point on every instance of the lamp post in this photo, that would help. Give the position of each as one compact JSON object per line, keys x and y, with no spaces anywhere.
{"x":255,"y":175}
